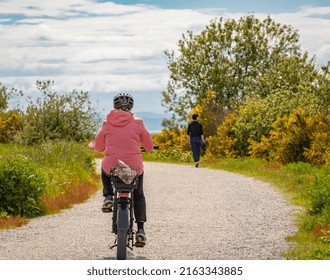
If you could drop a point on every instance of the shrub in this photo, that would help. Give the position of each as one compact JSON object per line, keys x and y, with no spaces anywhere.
{"x":257,"y":115}
{"x":319,"y":195}
{"x":10,"y":123}
{"x":210,"y":113}
{"x":319,"y":150}
{"x":298,"y":137}
{"x":55,"y":116}
{"x":21,"y":187}
{"x":224,"y":143}
{"x":172,"y":139}
{"x":255,"y":119}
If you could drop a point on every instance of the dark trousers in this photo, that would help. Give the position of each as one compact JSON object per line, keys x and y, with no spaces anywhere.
{"x":195,"y":143}
{"x":139,"y":199}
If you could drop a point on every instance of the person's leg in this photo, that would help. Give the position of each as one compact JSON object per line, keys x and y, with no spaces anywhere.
{"x":107,"y":187}
{"x":140,"y":212}
{"x":107,"y":192}
{"x":195,"y":143}
{"x":198,"y":150}
{"x":193,"y":148}
{"x":140,"y":203}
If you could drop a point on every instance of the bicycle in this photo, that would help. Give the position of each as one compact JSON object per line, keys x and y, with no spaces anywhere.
{"x":122,"y":218}
{"x":123,"y":208}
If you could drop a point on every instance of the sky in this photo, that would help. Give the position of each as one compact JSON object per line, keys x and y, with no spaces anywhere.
{"x":107,"y":47}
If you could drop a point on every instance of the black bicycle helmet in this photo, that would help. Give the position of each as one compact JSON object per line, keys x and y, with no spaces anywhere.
{"x":123,"y":101}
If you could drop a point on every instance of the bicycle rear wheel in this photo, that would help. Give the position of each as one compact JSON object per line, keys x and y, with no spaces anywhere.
{"x":121,"y":244}
{"x":122,"y":238}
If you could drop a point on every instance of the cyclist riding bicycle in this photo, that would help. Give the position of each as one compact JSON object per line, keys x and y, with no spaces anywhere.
{"x":120,"y":138}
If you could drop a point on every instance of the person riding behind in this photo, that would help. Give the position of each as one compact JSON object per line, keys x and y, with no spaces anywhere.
{"x":120,"y":137}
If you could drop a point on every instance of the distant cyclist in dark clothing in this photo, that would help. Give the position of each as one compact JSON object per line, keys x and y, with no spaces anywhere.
{"x":195,"y":131}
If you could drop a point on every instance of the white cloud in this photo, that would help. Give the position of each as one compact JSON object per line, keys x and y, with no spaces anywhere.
{"x":313,"y":28}
{"x":105,"y":47}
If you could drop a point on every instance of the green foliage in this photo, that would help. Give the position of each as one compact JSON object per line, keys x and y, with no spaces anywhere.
{"x":307,"y":247}
{"x":10,"y":123}
{"x":174,"y":138}
{"x":5,"y":95}
{"x":230,"y":58}
{"x":3,"y":98}
{"x":10,"y":119}
{"x":55,"y":116}
{"x":173,"y":145}
{"x":169,"y":155}
{"x":224,"y":143}
{"x":21,"y":187}
{"x":319,"y":196}
{"x":298,"y":137}
{"x":63,"y":164}
{"x":312,"y":185}
{"x":319,"y":151}
{"x":211,"y":115}
{"x":287,"y":141}
{"x":291,"y":85}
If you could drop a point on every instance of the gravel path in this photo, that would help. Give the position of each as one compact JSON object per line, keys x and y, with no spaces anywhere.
{"x":192,"y":214}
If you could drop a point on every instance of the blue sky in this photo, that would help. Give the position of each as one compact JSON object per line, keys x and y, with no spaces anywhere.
{"x":106,"y":47}
{"x":245,"y":6}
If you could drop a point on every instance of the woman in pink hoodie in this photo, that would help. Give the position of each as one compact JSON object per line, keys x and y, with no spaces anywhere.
{"x":120,"y":138}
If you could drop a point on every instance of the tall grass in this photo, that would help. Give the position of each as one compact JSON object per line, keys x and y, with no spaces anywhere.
{"x":68,"y":168}
{"x":12,"y":222}
{"x":64,"y":164}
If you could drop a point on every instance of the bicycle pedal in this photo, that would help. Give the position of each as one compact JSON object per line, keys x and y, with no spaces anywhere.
{"x":140,"y":244}
{"x":106,"y":210}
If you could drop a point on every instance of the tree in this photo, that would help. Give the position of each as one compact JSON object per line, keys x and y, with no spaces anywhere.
{"x":5,"y":95}
{"x":4,"y":98}
{"x":228,"y":57}
{"x":10,"y":119}
{"x":292,"y":84}
{"x":210,"y":113}
{"x":55,"y":116}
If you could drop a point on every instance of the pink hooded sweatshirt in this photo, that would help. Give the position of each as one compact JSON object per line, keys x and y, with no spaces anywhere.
{"x":120,"y":137}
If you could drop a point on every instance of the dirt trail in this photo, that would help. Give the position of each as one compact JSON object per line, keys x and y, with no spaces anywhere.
{"x":192,"y":214}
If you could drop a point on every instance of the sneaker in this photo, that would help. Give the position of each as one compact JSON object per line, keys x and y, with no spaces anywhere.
{"x":107,"y":204}
{"x":140,"y":238}
{"x":197,"y":163}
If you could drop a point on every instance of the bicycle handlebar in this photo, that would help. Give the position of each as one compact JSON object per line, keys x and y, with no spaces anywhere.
{"x":156,"y":147}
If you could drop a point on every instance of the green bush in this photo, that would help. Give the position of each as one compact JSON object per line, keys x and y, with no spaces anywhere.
{"x":21,"y":187}
{"x":257,"y":115}
{"x":55,"y":116}
{"x":10,"y":123}
{"x":224,"y":143}
{"x":319,"y":151}
{"x":298,"y":137}
{"x":319,"y":195}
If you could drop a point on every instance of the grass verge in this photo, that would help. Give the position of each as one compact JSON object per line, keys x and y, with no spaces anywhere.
{"x":12,"y":222}
{"x":69,"y":172}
